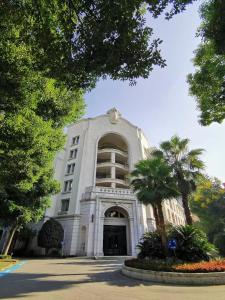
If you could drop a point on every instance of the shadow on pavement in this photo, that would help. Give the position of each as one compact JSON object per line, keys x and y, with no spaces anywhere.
{"x":20,"y":285}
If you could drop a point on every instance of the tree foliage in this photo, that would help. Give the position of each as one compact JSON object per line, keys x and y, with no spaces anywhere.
{"x":186,"y":166}
{"x":207,"y":84}
{"x":51,"y":52}
{"x":153,"y":182}
{"x":208,"y":203}
{"x":80,"y":41}
{"x":50,"y":235}
{"x":213,"y":24}
{"x":192,"y":244}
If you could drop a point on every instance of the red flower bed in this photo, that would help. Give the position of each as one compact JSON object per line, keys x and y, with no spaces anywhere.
{"x":202,"y":267}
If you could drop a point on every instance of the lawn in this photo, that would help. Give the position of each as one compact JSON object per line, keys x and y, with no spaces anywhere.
{"x":5,"y":263}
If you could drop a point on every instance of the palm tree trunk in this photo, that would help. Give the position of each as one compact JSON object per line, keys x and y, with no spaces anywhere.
{"x":156,"y":216}
{"x":11,"y":234}
{"x":162,"y":227}
{"x":187,"y":210}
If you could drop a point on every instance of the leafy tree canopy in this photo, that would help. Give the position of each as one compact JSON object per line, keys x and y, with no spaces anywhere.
{"x":208,"y":202}
{"x":79,"y":41}
{"x":186,"y":165}
{"x":207,"y":84}
{"x":153,"y":181}
{"x":51,"y":52}
{"x":213,"y":23}
{"x":50,"y":235}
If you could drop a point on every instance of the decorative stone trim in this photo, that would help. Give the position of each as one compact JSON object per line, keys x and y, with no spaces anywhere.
{"x":213,"y":278}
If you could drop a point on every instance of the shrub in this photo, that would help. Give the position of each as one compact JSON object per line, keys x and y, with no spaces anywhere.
{"x":50,"y":235}
{"x":5,"y":256}
{"x":192,"y":244}
{"x":163,"y":265}
{"x":219,"y":241}
{"x":150,"y":246}
{"x":153,"y":265}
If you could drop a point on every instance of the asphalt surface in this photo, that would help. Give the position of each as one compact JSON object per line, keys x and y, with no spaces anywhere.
{"x":86,"y":279}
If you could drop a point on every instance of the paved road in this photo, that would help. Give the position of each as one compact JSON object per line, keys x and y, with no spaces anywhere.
{"x":86,"y":279}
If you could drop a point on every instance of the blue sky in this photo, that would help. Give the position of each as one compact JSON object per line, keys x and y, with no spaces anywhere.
{"x":161,"y":104}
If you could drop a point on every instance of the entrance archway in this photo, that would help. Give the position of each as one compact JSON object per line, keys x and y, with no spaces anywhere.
{"x":116,"y":232}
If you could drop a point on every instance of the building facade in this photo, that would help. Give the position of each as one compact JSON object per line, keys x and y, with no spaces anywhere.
{"x":99,"y":212}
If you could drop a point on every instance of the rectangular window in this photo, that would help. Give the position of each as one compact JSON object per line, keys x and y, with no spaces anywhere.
{"x":70,"y":168}
{"x":68,"y":186}
{"x":75,"y":140}
{"x":65,"y":205}
{"x":73,"y":153}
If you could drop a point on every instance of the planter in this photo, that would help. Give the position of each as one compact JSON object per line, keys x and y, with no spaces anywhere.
{"x":213,"y":278}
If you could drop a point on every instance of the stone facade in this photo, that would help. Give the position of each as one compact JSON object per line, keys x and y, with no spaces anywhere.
{"x":95,"y":197}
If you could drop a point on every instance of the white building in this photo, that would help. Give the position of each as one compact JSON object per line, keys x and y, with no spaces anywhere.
{"x":99,"y":212}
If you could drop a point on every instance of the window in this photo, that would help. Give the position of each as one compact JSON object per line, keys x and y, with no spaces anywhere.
{"x":68,"y":186}
{"x":114,"y":214}
{"x":75,"y":140}
{"x":65,"y":205}
{"x":70,"y":168}
{"x":73,"y":153}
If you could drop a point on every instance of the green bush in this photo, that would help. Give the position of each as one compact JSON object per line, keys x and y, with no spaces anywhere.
{"x":192,"y":244}
{"x":5,"y":256}
{"x":51,"y":235}
{"x":153,"y":265}
{"x":150,"y":246}
{"x":219,"y":241}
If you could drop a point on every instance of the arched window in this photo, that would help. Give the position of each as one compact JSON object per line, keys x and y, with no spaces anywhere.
{"x":115,"y":212}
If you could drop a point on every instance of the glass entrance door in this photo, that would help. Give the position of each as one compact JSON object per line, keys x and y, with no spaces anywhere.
{"x":114,"y":241}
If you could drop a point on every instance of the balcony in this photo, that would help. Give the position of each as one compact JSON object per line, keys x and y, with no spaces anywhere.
{"x":109,"y":150}
{"x":110,"y":180}
{"x":105,"y":164}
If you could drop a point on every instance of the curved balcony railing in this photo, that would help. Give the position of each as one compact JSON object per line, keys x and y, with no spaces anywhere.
{"x":112,"y":180}
{"x":110,"y":164}
{"x":109,"y":150}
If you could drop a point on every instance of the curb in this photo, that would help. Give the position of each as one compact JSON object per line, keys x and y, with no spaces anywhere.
{"x":198,"y":279}
{"x":12,"y":268}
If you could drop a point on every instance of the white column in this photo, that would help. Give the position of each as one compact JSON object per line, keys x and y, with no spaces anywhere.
{"x":100,"y":237}
{"x":96,"y":221}
{"x":113,"y":169}
{"x":133,"y":237}
{"x":113,"y":157}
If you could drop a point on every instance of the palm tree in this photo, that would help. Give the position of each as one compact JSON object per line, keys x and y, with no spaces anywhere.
{"x":186,"y":167}
{"x":153,"y":181}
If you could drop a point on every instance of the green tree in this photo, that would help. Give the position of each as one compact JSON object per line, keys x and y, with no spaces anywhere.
{"x":186,"y":166}
{"x":51,"y":52}
{"x":153,"y":182}
{"x":207,"y":202}
{"x":80,"y":41}
{"x":213,"y":24}
{"x":51,"y":235}
{"x":207,"y":84}
{"x":30,"y":136}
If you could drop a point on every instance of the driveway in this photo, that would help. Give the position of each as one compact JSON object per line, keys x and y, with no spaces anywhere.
{"x":86,"y":279}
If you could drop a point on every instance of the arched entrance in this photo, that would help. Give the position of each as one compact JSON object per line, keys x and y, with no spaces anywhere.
{"x":116,"y":232}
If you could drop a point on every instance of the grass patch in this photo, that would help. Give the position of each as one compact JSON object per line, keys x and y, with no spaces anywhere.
{"x":162,"y":265}
{"x":5,"y":263}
